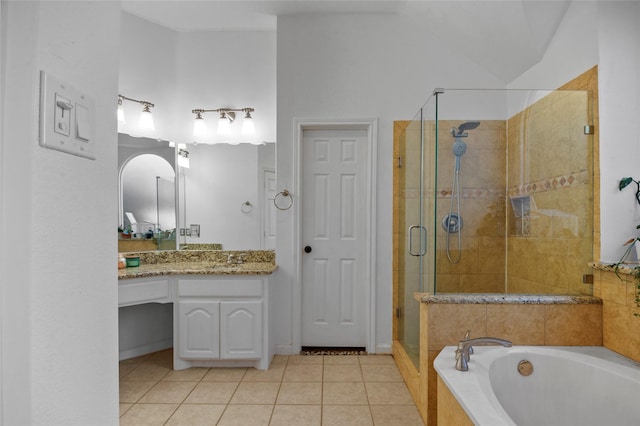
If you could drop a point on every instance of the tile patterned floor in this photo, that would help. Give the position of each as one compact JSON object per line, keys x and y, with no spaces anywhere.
{"x":296,"y":391}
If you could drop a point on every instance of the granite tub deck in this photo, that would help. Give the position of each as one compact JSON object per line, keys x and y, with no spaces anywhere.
{"x":534,"y":320}
{"x":200,"y":262}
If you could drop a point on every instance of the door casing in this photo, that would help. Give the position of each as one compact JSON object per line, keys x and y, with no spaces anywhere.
{"x":371,"y":126}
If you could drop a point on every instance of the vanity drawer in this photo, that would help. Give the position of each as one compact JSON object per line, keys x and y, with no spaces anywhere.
{"x":147,"y":291}
{"x":222,"y":287}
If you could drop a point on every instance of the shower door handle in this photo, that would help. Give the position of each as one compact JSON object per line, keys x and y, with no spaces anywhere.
{"x":422,"y":249}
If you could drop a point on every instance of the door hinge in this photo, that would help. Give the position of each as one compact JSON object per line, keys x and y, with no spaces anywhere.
{"x":398,"y":312}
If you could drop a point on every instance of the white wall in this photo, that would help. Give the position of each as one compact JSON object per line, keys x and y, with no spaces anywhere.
{"x":355,"y":66}
{"x":607,"y":34}
{"x":619,"y":88}
{"x":59,"y":286}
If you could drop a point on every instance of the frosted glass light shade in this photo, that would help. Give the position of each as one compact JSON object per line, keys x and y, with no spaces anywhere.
{"x":121,"y":119}
{"x":146,"y":121}
{"x":224,"y":128}
{"x":248,"y":128}
{"x":183,"y":162}
{"x":199,"y":127}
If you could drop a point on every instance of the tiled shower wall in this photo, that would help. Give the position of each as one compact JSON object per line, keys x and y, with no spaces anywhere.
{"x":549,"y":167}
{"x":482,"y":181}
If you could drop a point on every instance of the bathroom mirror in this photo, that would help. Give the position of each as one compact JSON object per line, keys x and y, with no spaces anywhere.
{"x":147,"y":195}
{"x":226,"y":193}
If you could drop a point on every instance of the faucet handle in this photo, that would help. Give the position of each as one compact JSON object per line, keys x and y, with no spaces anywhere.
{"x":466,"y":337}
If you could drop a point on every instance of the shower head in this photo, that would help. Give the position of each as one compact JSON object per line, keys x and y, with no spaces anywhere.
{"x":460,"y":131}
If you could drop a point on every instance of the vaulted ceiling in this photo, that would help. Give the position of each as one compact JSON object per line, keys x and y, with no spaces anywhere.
{"x":505,"y":37}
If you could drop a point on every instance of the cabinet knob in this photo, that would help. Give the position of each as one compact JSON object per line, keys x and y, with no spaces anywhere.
{"x":307,"y":249}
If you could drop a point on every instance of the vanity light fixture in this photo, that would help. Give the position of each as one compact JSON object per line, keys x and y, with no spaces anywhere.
{"x":183,"y":156}
{"x":226,"y":117}
{"x":121,"y":119}
{"x":146,"y":119}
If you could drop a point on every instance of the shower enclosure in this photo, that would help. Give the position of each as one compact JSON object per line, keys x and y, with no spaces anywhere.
{"x":495,"y":193}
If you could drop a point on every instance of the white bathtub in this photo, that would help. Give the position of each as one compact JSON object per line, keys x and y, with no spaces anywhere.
{"x":569,"y":386}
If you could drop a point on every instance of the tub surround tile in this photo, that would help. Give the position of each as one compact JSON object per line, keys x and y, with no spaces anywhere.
{"x":620,"y":325}
{"x":517,"y":323}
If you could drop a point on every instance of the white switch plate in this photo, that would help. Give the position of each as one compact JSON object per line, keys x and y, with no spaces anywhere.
{"x":67,"y":118}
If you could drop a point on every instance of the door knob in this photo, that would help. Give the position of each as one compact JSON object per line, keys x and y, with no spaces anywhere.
{"x":307,"y":249}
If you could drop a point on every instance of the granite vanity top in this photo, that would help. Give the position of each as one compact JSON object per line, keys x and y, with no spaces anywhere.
{"x":199,"y":262}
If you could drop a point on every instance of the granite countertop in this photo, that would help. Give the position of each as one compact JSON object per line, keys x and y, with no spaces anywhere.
{"x":513,"y":299}
{"x":623,"y":269}
{"x":258,"y":262}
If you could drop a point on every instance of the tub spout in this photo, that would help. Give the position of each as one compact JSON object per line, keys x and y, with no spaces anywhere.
{"x":462,"y":352}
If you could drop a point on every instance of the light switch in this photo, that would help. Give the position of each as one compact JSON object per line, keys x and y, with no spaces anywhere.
{"x":62,"y":115}
{"x":66,"y":118}
{"x":83,"y":125}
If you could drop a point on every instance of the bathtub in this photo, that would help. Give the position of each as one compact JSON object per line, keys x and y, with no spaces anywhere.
{"x":569,"y":385}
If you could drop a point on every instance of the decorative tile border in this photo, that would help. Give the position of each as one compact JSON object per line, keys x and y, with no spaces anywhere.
{"x":542,"y":185}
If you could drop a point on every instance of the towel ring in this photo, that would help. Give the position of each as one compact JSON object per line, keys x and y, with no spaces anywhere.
{"x":283,"y":193}
{"x":246,"y":207}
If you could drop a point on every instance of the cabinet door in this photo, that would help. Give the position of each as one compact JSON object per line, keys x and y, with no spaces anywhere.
{"x":241,"y":330}
{"x":199,"y":327}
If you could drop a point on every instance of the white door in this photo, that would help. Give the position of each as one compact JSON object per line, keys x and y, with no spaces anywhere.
{"x":269,"y":210}
{"x":334,"y":184}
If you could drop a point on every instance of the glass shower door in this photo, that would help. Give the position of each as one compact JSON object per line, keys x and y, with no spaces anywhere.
{"x":415,"y":272}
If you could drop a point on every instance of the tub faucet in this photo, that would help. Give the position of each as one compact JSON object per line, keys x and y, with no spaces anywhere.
{"x":462,"y":352}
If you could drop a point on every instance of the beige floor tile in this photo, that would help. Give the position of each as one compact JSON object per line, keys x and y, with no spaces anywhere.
{"x":124,"y":408}
{"x":306,"y":359}
{"x":396,"y":415}
{"x":309,"y":393}
{"x":342,"y":373}
{"x":147,"y":372}
{"x":131,"y":392}
{"x":381,"y":373}
{"x":194,"y":374}
{"x":136,"y":360}
{"x":147,"y":414}
{"x":273,"y":374}
{"x":376,"y":359}
{"x":168,"y":392}
{"x":246,"y":415}
{"x":298,"y":415}
{"x":382,"y":393}
{"x":280,"y":359}
{"x":341,"y":359}
{"x":303,"y":373}
{"x":162,"y":358}
{"x":344,"y":393}
{"x":256,"y":393}
{"x":126,"y":369}
{"x":346,"y":415}
{"x":224,"y":375}
{"x":196,"y":415}
{"x":212,"y":393}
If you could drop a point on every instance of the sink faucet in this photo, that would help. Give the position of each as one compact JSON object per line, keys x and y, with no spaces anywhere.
{"x":462,"y":352}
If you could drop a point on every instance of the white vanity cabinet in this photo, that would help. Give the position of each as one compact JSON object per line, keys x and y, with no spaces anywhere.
{"x":222,"y":321}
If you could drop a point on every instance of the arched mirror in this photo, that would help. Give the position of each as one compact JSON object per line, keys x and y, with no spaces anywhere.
{"x":147,"y":211}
